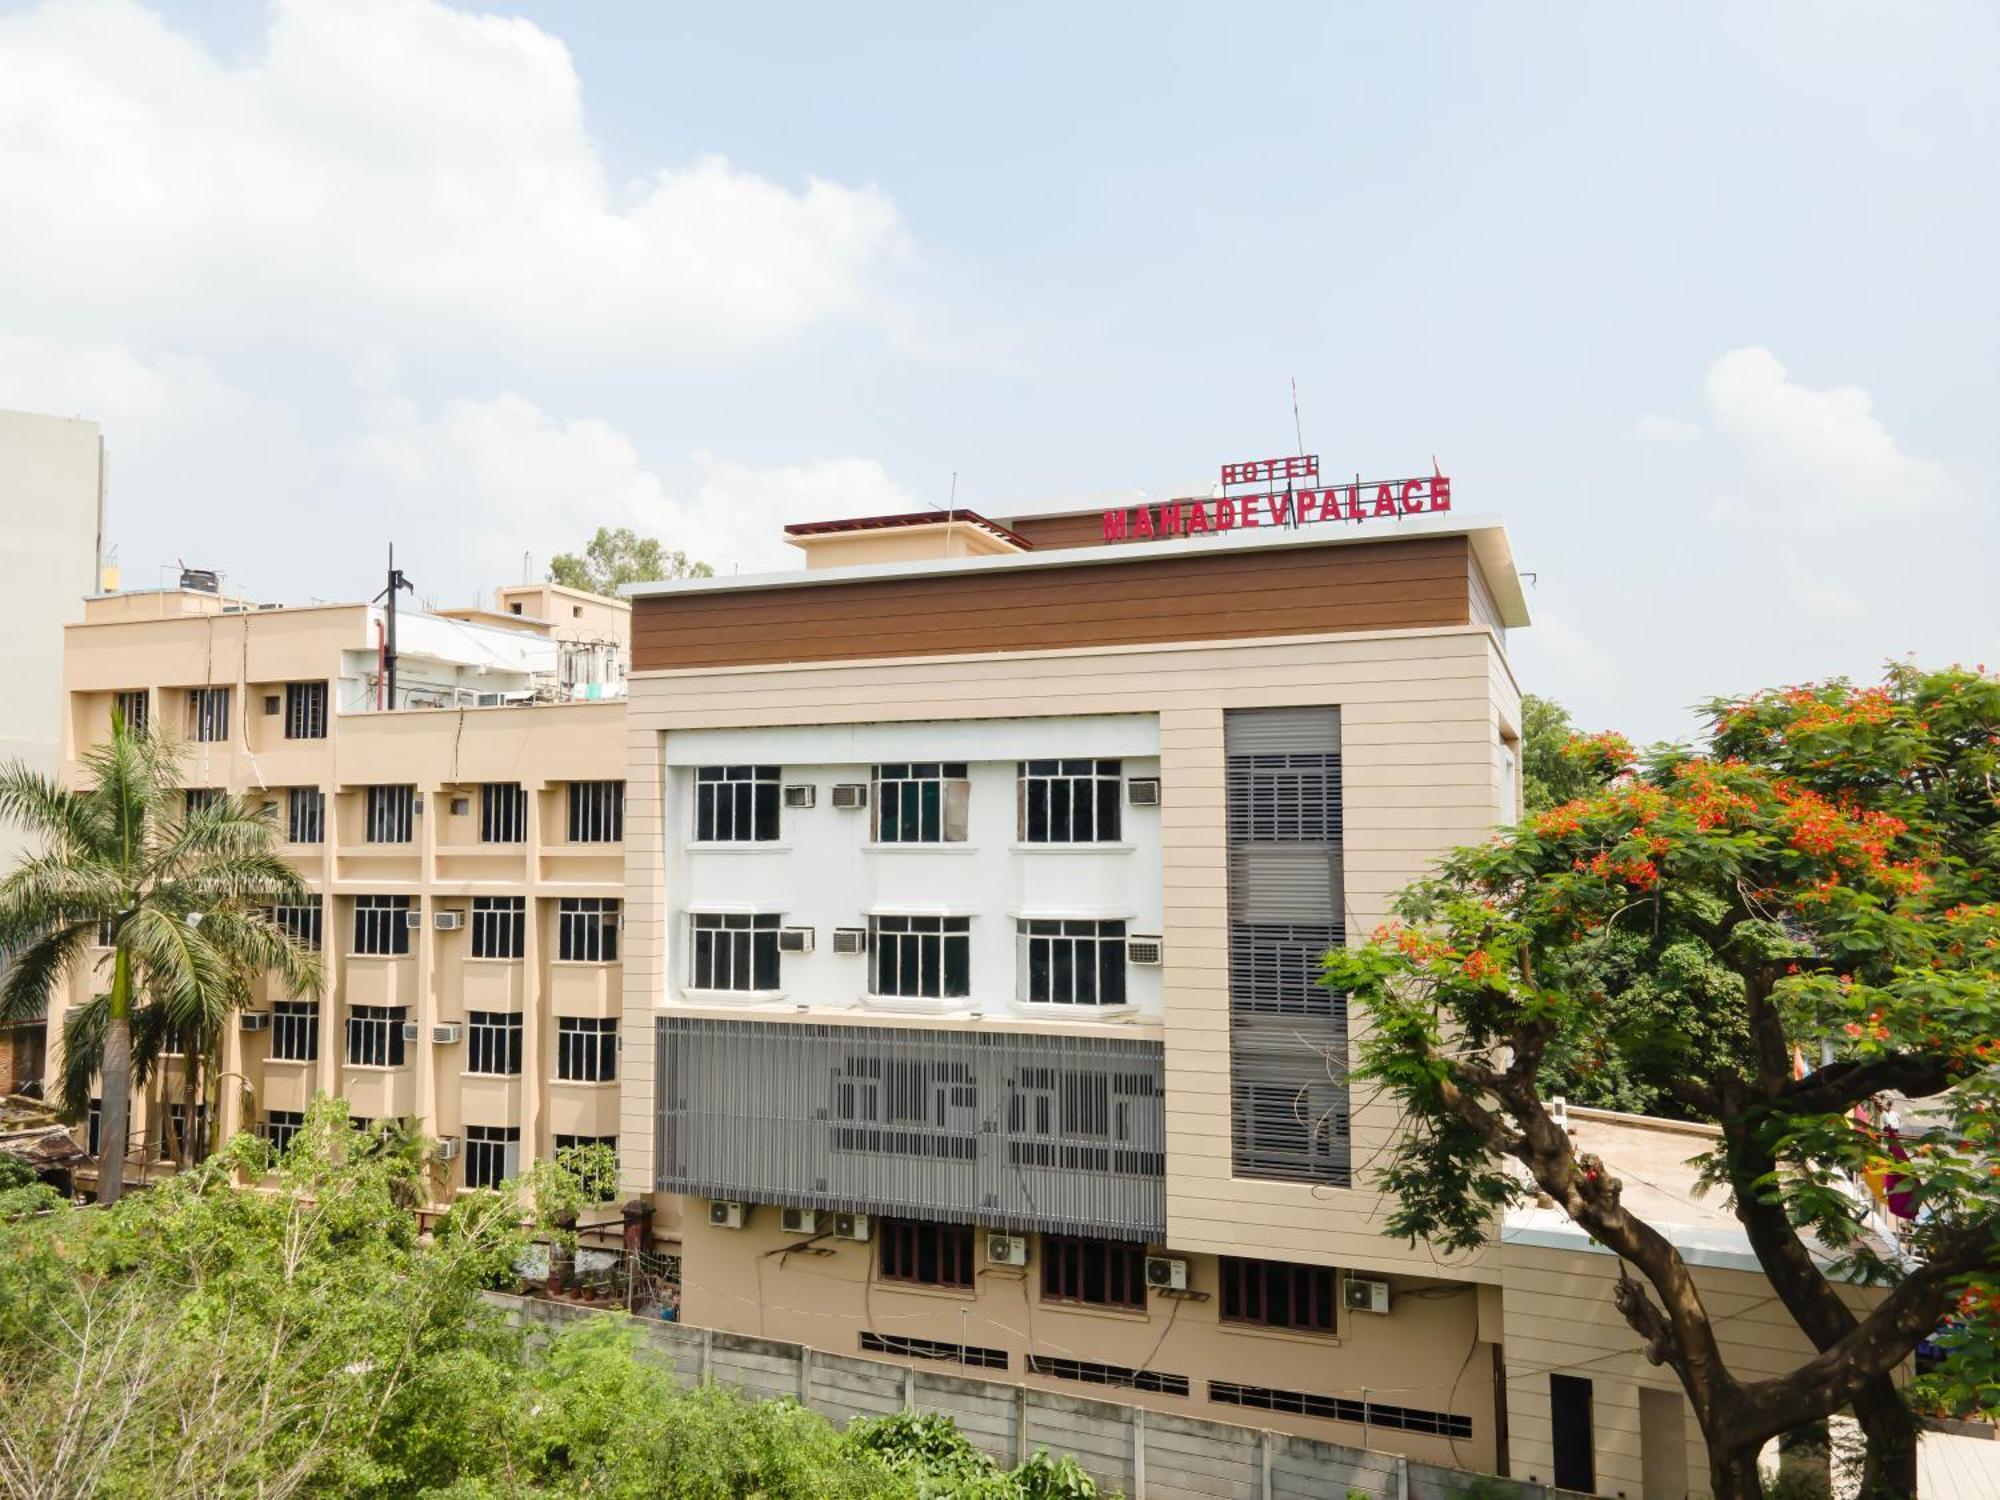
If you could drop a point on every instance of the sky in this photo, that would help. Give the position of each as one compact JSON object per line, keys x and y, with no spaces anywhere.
{"x":1700,"y":299}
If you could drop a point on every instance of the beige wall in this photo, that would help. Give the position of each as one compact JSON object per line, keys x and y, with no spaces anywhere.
{"x":848,"y":549}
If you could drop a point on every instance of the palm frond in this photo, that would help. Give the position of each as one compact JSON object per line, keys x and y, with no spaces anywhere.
{"x":83,"y":1055}
{"x":36,"y":973}
{"x":259,"y":945}
{"x":177,"y":970}
{"x":48,"y":812}
{"x":46,"y":891}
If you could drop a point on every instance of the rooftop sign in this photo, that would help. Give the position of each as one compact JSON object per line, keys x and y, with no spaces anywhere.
{"x":1279,"y":492}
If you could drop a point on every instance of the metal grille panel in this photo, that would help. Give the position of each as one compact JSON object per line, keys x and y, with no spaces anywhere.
{"x":1066,"y":1135}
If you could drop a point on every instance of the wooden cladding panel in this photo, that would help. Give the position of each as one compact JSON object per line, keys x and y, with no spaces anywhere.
{"x":1084,"y":528}
{"x":1134,"y":600}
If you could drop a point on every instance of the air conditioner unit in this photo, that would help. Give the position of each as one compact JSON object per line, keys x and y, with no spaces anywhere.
{"x":411,"y":1031}
{"x":1166,"y":1273}
{"x":417,"y":804}
{"x":254,"y":1020}
{"x":723,"y":1214}
{"x":852,"y":1226}
{"x":795,"y":940}
{"x":1144,"y":950}
{"x":1358,"y":1295}
{"x":850,"y":795}
{"x":1143,"y":791}
{"x":460,"y":806}
{"x":448,"y":921}
{"x":798,"y":1221}
{"x":273,"y":705}
{"x":801,"y":796}
{"x":850,"y":940}
{"x":447,"y":1148}
{"x":413,"y":918}
{"x":1006,"y":1249}
{"x":446,"y":1033}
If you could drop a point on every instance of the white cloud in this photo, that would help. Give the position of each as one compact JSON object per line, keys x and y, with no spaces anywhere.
{"x":387,"y":170}
{"x":1665,"y":431}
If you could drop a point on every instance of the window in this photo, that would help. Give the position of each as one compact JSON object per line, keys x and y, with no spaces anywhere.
{"x":597,"y":812}
{"x":927,"y":1254}
{"x":174,"y":1138}
{"x":735,"y":804}
{"x":390,"y":813}
{"x":1072,"y":963}
{"x":1284,"y":797}
{"x":1274,"y":968}
{"x":1571,"y":1434}
{"x":733,"y":952}
{"x":921,"y":802}
{"x":94,"y":1126}
{"x":375,"y":1036}
{"x":1070,"y":801}
{"x":585,"y":1142}
{"x":921,"y":958}
{"x":492,"y":1154}
{"x":1291,"y":1131}
{"x":907,"y":1347}
{"x":107,"y":930}
{"x":208,"y":714}
{"x":305,"y":815}
{"x":302,"y":923}
{"x":1104,"y":1273}
{"x":493,"y":1042}
{"x":503,"y":813}
{"x":281,"y":1128}
{"x":1341,"y":1409}
{"x":198,"y":799}
{"x":135,"y":708}
{"x":587,"y":929}
{"x":1090,"y":1372}
{"x":598,"y":1180}
{"x":305,"y":710}
{"x":382,"y":925}
{"x":295,"y":1030}
{"x":499,"y":926}
{"x":586,"y":1049}
{"x":1273,"y":1294}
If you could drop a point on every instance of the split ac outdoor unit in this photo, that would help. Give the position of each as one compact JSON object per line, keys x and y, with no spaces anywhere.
{"x":1364,"y":1296}
{"x":1143,"y":791}
{"x":852,"y":1226}
{"x":445,"y":1033}
{"x":798,"y":1221}
{"x":448,"y":921}
{"x":850,"y":795}
{"x":795,"y":940}
{"x":447,"y":1148}
{"x":411,"y":1031}
{"x":413,"y":918}
{"x":850,"y":940}
{"x":1166,"y":1273}
{"x":1144,"y":950}
{"x":723,"y":1214}
{"x":801,"y":796}
{"x":1007,"y":1249}
{"x":254,"y":1020}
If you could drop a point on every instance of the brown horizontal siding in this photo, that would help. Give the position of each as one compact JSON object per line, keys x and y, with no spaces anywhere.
{"x":1083,"y":528}
{"x":1133,"y":601}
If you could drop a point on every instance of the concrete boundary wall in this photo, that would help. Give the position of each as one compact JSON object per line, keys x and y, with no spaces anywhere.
{"x":1144,"y":1455}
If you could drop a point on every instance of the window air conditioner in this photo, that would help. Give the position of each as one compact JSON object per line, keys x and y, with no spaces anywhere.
{"x":412,"y":1031}
{"x":1358,"y":1295}
{"x":850,"y":940}
{"x":448,"y":921}
{"x":1143,"y":791}
{"x":795,"y":940}
{"x":447,"y":1148}
{"x":1144,"y":950}
{"x":852,"y":1226}
{"x":1007,"y":1249}
{"x":445,"y":1033}
{"x":413,"y":918}
{"x":850,"y":795}
{"x":254,"y":1020}
{"x":273,"y":705}
{"x":1166,"y":1273}
{"x":417,"y":804}
{"x":460,"y":806}
{"x":723,"y":1214}
{"x":801,"y":796}
{"x":798,"y":1221}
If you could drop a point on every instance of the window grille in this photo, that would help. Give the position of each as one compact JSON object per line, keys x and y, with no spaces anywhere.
{"x":375,"y":1035}
{"x":905,"y":1106}
{"x":305,"y":710}
{"x":736,"y":804}
{"x":281,"y":1128}
{"x":381,"y":926}
{"x":586,"y":1049}
{"x":391,"y":814}
{"x":604,"y":1187}
{"x":301,"y":922}
{"x":503,"y":813}
{"x":295,"y":1030}
{"x":1072,"y":963}
{"x":597,"y":812}
{"x":921,"y":958}
{"x":499,"y":926}
{"x":734,"y":951}
{"x":493,"y":1042}
{"x":1275,"y":1294}
{"x":937,"y":1255}
{"x":587,"y":929}
{"x":1070,"y":801}
{"x":1290,"y":1131}
{"x":198,"y":799}
{"x":174,"y":1128}
{"x":1284,"y":798}
{"x":1090,"y":1372}
{"x":1069,"y":1119}
{"x":107,"y":931}
{"x":173,"y":1042}
{"x":305,"y":815}
{"x":208,"y":714}
{"x":1103,"y":1273}
{"x":492,"y":1154}
{"x":914,"y":1348}
{"x":1275,"y":967}
{"x":136,"y":709}
{"x":1341,"y":1409}
{"x":922,"y":802}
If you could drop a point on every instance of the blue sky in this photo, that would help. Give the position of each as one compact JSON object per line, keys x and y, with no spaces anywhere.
{"x":1699,"y":298}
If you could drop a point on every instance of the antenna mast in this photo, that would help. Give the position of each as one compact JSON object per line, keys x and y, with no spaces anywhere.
{"x":397,"y":582}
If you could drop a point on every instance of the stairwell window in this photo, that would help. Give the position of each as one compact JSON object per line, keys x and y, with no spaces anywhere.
{"x":1101,"y":1273}
{"x":736,"y":804}
{"x":587,"y":929}
{"x":493,"y":1042}
{"x":208,"y":714}
{"x":382,"y":926}
{"x":375,"y":1035}
{"x":1277,"y":1294}
{"x":586,"y":1049}
{"x":391,"y":814}
{"x":295,"y":1030}
{"x":921,"y":958}
{"x":733,"y":951}
{"x":1072,"y":963}
{"x":596,"y":812}
{"x":1070,"y":801}
{"x":492,"y":1154}
{"x":305,"y":815}
{"x":499,"y":926}
{"x":503,"y":813}
{"x":921,"y":802}
{"x":305,"y":710}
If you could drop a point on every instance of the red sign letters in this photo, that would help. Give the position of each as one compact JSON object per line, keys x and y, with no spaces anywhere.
{"x":1286,"y":506}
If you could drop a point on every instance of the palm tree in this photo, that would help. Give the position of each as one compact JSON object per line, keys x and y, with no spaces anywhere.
{"x":177,"y":890}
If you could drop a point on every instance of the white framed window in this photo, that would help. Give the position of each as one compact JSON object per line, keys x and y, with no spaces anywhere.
{"x":920,"y":958}
{"x":375,"y":1035}
{"x":135,"y":708}
{"x":391,"y":814}
{"x":1071,"y":801}
{"x":921,"y":802}
{"x":736,"y":804}
{"x":499,"y":926}
{"x":587,"y":929}
{"x":282,"y":1127}
{"x":382,"y":926}
{"x":174,"y":1128}
{"x":305,"y":710}
{"x":1510,"y":779}
{"x":305,"y":815}
{"x":596,"y":812}
{"x":198,"y":799}
{"x":295,"y":1030}
{"x":733,"y":950}
{"x":208,"y":714}
{"x":503,"y":813}
{"x":492,"y":1154}
{"x":586,"y":1049}
{"x":1071,"y":962}
{"x":303,"y":922}
{"x":493,"y":1042}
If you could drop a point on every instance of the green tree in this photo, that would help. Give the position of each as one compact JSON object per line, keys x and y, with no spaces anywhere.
{"x":612,"y":558}
{"x":180,"y":894}
{"x":1551,"y":770}
{"x":1822,"y":877}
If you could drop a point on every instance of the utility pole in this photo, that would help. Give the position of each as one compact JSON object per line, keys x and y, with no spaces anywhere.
{"x":396,"y":582}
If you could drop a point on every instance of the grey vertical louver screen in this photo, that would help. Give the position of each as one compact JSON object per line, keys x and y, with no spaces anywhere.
{"x":1061,"y":1134}
{"x":1287,"y":1033}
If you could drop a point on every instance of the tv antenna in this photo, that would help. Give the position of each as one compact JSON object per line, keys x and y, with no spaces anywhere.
{"x":397,"y":583}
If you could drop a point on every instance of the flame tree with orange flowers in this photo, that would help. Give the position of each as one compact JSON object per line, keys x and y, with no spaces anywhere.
{"x":1825,"y":880}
